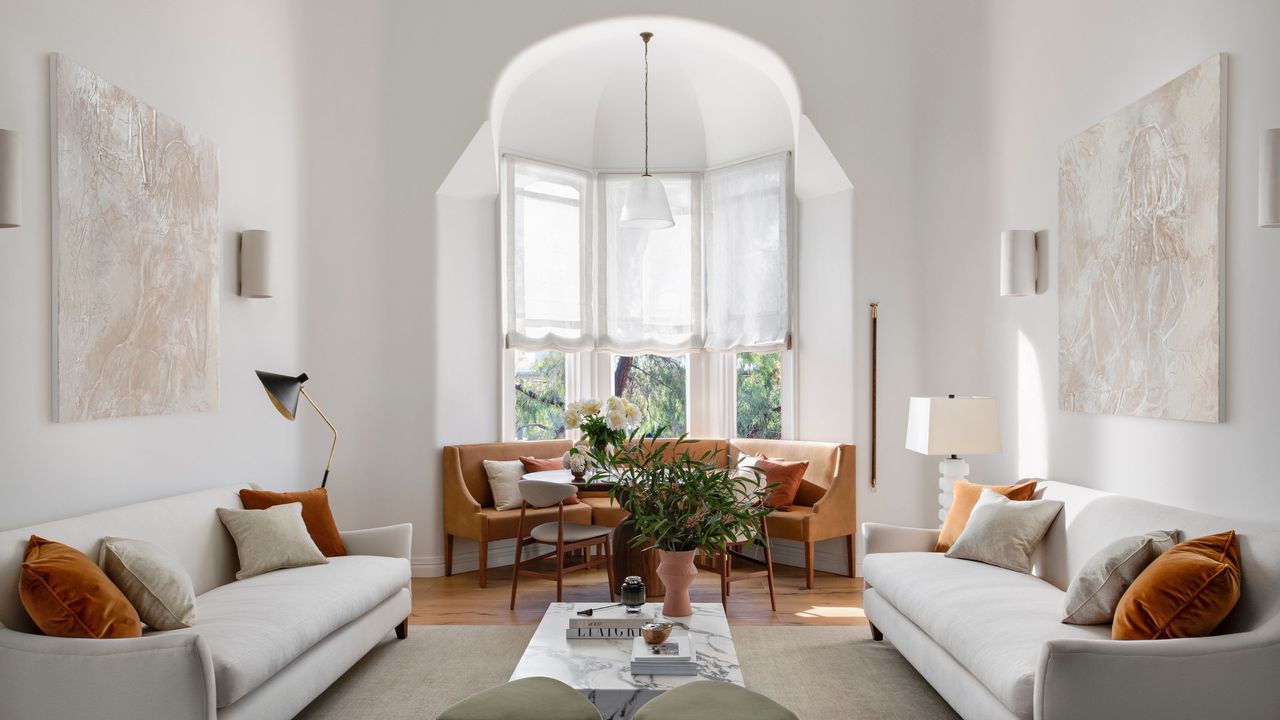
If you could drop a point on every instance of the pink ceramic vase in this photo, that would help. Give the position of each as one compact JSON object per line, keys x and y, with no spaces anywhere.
{"x":677,"y":572}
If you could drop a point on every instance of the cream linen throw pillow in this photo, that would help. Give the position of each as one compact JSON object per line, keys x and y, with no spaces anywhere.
{"x":1004,"y":532}
{"x":271,"y":539}
{"x":152,"y":580}
{"x":504,"y":481}
{"x":1094,"y":594}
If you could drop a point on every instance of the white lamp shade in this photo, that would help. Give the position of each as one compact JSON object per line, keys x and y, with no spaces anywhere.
{"x":1269,"y":179}
{"x":255,"y":264}
{"x":646,"y":206}
{"x":1018,"y":267}
{"x":10,"y":179}
{"x":953,"y":426}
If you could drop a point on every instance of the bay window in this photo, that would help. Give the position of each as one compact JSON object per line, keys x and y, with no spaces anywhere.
{"x":692,"y":323}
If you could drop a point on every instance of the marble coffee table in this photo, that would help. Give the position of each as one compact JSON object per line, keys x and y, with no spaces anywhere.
{"x":601,"y":669}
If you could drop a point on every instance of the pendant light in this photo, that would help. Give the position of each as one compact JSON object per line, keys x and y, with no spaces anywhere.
{"x":646,"y":206}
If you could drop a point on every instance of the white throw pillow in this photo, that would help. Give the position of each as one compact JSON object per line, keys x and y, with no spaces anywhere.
{"x":1096,"y":590}
{"x":152,"y":580}
{"x":1004,"y":532}
{"x":504,"y":481}
{"x":271,"y":539}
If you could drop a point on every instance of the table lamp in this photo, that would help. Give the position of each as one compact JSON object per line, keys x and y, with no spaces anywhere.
{"x":952,"y":426}
{"x":284,"y":391}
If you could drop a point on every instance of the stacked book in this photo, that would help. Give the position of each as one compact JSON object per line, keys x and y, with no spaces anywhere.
{"x":607,"y":625}
{"x":673,"y":657}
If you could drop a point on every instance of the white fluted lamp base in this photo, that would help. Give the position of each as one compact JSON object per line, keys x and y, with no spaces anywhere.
{"x":952,"y":469}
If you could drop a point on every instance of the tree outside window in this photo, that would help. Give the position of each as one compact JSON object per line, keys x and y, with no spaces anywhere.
{"x":540,"y":389}
{"x":759,"y":392}
{"x":658,"y":386}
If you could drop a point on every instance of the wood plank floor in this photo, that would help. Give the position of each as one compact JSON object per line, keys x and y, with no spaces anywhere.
{"x":458,"y":600}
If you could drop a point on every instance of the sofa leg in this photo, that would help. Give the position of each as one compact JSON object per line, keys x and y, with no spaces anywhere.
{"x":808,"y":566}
{"x":484,"y":563}
{"x":402,"y":630}
{"x":448,"y":555}
{"x":875,"y":633}
{"x":852,"y":556}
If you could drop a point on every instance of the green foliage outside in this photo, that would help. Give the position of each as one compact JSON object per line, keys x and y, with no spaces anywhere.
{"x":539,"y":395}
{"x":657,"y":385}
{"x":759,"y":395}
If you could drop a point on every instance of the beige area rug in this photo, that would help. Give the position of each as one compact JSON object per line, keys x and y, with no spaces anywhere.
{"x":820,"y":673}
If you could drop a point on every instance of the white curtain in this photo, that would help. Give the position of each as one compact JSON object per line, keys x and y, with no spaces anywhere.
{"x":650,"y":292}
{"x":546,"y":223}
{"x":748,"y":256}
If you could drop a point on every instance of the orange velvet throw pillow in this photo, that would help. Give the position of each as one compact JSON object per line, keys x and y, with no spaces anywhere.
{"x":787,"y":475}
{"x":67,"y":595}
{"x":316,"y":515}
{"x":533,"y":464}
{"x":965,"y":497}
{"x":1186,"y":592}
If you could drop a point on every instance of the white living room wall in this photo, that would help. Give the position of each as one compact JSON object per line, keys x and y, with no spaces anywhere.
{"x":231,"y":71}
{"x":1040,"y":73}
{"x":416,"y":298}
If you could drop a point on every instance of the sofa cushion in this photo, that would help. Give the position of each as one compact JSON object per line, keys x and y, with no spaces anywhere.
{"x":604,"y":510}
{"x":504,"y":523}
{"x":992,"y":621}
{"x":255,"y":627}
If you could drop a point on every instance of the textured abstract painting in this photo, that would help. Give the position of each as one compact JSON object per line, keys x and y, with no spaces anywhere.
{"x":135,"y":232}
{"x":1141,"y":225}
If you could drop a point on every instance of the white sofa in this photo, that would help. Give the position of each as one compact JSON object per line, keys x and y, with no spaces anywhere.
{"x":260,"y":648}
{"x":990,"y":641}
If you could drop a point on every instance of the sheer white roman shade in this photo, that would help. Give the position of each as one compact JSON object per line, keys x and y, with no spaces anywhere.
{"x":748,"y":256}
{"x":650,"y":281}
{"x":546,"y":223}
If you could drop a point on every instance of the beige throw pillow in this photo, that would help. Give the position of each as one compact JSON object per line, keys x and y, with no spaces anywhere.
{"x":1004,"y":532}
{"x":504,"y":481}
{"x":271,"y":539}
{"x":1095,"y":592}
{"x":152,"y":580}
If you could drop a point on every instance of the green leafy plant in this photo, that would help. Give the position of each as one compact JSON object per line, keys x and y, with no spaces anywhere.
{"x":679,"y":502}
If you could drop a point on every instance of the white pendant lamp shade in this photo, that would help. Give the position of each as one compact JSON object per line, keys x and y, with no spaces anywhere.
{"x":1017,"y":263}
{"x":255,"y":264}
{"x":646,"y":207}
{"x":10,"y":179}
{"x":1269,"y":179}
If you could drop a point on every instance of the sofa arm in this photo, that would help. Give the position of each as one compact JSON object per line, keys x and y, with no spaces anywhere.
{"x":881,"y":538}
{"x":389,"y":541}
{"x":1223,"y":676}
{"x":168,"y":675}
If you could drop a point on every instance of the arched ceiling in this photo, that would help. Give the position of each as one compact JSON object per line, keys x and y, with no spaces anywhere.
{"x":714,"y":97}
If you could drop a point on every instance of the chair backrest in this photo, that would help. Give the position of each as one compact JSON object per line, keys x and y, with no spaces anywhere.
{"x":1091,"y":519}
{"x":545,"y":493}
{"x":826,"y":461}
{"x":184,"y":526}
{"x":465,"y":463}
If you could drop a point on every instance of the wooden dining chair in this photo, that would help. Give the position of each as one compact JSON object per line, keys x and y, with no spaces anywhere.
{"x":725,"y":565}
{"x":568,"y":538}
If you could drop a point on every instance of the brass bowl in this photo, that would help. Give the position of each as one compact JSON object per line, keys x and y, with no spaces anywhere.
{"x":656,"y":632}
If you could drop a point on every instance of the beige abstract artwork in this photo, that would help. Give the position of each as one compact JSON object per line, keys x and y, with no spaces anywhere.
{"x":1141,"y":227}
{"x":135,"y":228}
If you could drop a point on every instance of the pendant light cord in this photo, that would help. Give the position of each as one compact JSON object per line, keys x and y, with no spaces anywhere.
{"x":646,"y":36}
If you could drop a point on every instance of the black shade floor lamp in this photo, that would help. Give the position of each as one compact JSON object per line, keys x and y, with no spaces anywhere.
{"x":284,"y":391}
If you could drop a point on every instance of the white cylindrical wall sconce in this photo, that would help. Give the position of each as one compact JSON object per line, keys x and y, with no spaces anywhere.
{"x":1269,"y":179}
{"x":1018,"y":264}
{"x":255,"y":264}
{"x":10,"y":179}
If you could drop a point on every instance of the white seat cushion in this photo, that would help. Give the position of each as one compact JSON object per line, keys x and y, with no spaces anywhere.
{"x":573,"y":532}
{"x":257,"y":626}
{"x":992,"y":621}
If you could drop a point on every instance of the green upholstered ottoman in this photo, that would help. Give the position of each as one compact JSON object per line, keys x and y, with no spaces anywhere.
{"x":535,"y":698}
{"x":712,"y":699}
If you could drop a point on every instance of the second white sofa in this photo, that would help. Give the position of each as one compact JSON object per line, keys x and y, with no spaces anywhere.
{"x":260,"y":648}
{"x":990,"y":641}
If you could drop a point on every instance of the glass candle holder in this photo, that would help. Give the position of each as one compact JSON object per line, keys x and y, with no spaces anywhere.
{"x":633,"y":593}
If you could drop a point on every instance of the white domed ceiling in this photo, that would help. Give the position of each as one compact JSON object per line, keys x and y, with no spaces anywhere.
{"x":714,"y":97}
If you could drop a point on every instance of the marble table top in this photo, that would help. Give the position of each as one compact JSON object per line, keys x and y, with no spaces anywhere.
{"x":601,"y":669}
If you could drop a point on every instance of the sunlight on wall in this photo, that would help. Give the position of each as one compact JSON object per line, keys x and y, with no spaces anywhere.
{"x":1033,"y":441}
